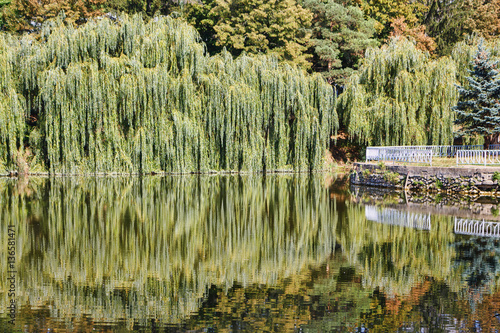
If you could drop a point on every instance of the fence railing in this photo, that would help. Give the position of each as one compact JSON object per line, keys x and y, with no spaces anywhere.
{"x":494,"y":147}
{"x":484,"y":157}
{"x":398,"y":217}
{"x":477,"y":227}
{"x":410,"y":154}
{"x":445,"y":151}
{"x":398,"y":155}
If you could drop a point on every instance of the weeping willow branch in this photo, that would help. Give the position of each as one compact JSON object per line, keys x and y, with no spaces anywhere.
{"x":401,"y":97}
{"x":135,"y":96}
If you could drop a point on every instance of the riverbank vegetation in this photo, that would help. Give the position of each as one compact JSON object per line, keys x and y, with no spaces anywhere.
{"x":226,"y":86}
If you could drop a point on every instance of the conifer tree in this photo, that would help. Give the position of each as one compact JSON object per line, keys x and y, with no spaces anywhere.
{"x":478,"y":108}
{"x":340,"y":36}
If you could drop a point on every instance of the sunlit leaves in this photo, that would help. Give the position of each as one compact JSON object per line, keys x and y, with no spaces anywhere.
{"x":135,"y":96}
{"x":401,"y":97}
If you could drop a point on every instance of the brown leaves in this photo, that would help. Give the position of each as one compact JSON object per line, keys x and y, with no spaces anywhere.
{"x":423,"y":41}
{"x":27,"y":15}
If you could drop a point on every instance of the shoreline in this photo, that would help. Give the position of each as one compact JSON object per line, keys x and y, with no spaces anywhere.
{"x":467,"y":180}
{"x":16,"y":174}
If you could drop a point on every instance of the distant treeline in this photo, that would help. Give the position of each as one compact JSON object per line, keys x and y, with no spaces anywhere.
{"x":328,"y":36}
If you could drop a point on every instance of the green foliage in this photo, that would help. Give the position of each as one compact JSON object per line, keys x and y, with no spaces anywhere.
{"x":439,"y":183}
{"x":391,"y":177}
{"x":445,"y":21}
{"x":146,"y":7}
{"x":257,"y":26}
{"x":136,"y":96}
{"x":366,"y":173}
{"x":384,"y":12}
{"x":27,"y":15}
{"x":340,"y":35}
{"x":496,"y":177}
{"x":477,"y":108}
{"x":400,"y":97}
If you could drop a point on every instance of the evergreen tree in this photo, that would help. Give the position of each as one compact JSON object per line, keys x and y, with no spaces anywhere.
{"x":478,"y":109}
{"x":340,"y":36}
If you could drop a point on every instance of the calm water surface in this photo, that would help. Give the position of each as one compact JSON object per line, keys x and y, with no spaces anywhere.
{"x":242,"y":254}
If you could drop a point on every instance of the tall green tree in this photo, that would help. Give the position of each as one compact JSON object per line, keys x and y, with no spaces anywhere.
{"x":340,"y":36}
{"x":261,"y":26}
{"x":423,"y":41}
{"x":450,"y":22}
{"x":200,"y":15}
{"x":136,"y":95}
{"x":478,"y":108}
{"x":384,"y":12}
{"x":400,"y":97}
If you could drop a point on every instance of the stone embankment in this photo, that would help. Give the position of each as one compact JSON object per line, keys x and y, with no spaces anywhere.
{"x":470,"y":180}
{"x":472,"y":206}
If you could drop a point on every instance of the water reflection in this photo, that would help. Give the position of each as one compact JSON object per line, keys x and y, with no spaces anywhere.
{"x":133,"y":249}
{"x":250,"y":253}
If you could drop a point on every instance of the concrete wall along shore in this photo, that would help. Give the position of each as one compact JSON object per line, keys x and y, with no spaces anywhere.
{"x":435,"y":179}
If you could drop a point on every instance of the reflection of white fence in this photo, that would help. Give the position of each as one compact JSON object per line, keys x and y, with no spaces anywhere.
{"x":398,"y":155}
{"x":398,"y":217}
{"x":483,"y":157}
{"x":477,"y":227}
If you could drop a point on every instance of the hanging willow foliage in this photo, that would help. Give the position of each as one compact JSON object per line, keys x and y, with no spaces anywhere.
{"x":136,"y":96}
{"x":464,"y":52}
{"x":400,"y":97}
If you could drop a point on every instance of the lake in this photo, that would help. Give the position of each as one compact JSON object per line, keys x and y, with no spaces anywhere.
{"x":281,"y":253}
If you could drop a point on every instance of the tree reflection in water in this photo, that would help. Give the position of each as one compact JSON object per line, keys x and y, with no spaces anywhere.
{"x":235,"y":253}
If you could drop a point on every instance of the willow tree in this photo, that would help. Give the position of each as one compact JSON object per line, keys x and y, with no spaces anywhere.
{"x":400,"y":97}
{"x":136,"y":96}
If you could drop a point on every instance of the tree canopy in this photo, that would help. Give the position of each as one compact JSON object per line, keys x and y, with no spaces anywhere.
{"x":258,"y":26}
{"x":400,"y":97}
{"x":136,"y":96}
{"x":477,"y":111}
{"x":340,"y":36}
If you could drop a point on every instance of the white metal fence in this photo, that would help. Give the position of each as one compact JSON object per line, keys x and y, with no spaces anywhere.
{"x":476,"y":227}
{"x":484,"y":157}
{"x":415,"y":154}
{"x":447,"y":151}
{"x":398,"y":154}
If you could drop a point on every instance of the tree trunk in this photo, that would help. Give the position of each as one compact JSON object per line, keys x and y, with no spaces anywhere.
{"x":491,"y":139}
